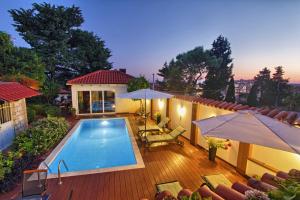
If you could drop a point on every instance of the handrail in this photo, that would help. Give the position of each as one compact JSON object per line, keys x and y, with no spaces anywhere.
{"x":58,"y":170}
{"x":47,"y":166}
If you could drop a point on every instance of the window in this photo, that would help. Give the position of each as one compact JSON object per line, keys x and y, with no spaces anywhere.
{"x":109,"y":101}
{"x":83,"y":102}
{"x":97,"y":102}
{"x":5,"y":115}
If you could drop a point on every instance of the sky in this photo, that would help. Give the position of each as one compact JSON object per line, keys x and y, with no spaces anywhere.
{"x":142,"y":35}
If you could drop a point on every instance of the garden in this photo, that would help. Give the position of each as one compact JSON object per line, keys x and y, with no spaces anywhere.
{"x":30,"y":145}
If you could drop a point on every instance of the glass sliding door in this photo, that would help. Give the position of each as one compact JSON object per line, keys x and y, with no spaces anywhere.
{"x":83,"y":102}
{"x":97,"y":102}
{"x":109,"y":101}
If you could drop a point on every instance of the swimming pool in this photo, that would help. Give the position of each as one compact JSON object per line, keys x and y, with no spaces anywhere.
{"x":96,"y":145}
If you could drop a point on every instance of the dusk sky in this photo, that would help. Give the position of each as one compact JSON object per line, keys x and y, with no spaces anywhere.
{"x":142,"y":35}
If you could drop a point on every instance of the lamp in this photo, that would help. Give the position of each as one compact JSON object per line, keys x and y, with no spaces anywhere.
{"x":160,"y":104}
{"x":181,"y":111}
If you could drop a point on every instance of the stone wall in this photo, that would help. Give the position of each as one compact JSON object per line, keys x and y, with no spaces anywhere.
{"x":19,"y":115}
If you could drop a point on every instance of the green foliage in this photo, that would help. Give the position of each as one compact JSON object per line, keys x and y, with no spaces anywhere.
{"x":47,"y":29}
{"x":217,"y":143}
{"x":218,"y":76}
{"x":50,"y":90}
{"x":66,"y":50}
{"x":252,"y":97}
{"x":43,"y":134}
{"x":88,"y":52}
{"x":292,"y":101}
{"x":31,"y":114}
{"x":6,"y":164}
{"x":185,"y":73}
{"x":19,"y":60}
{"x":137,"y":84}
{"x":230,"y":95}
{"x":267,"y":90}
{"x":52,"y":111}
{"x":288,"y":190}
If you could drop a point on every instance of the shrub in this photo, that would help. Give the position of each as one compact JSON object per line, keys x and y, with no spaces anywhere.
{"x":31,"y":114}
{"x":288,"y":189}
{"x":52,"y":111}
{"x":39,"y":109}
{"x":40,"y":137}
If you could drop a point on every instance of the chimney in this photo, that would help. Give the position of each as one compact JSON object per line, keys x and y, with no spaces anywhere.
{"x":123,"y":70}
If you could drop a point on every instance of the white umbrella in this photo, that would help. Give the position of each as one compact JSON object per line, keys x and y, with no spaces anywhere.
{"x":254,"y":128}
{"x":145,"y":94}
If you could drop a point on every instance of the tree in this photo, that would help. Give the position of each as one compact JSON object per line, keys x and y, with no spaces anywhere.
{"x":218,"y":76}
{"x":185,"y":73}
{"x":292,"y":101}
{"x":281,"y":87}
{"x":19,"y":61}
{"x":137,"y":83}
{"x":88,"y":53}
{"x":172,"y":77}
{"x":252,"y":97}
{"x":230,"y":94}
{"x":50,"y":90}
{"x":47,"y":29}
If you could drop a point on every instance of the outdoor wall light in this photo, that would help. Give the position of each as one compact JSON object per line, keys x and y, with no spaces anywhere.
{"x":160,"y":104}
{"x":181,"y":110}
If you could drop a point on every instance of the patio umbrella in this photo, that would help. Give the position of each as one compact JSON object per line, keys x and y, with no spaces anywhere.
{"x":254,"y":128}
{"x":145,"y":94}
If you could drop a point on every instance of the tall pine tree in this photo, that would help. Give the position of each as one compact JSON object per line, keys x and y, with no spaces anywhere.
{"x":230,"y":94}
{"x":218,"y":76}
{"x":280,"y":86}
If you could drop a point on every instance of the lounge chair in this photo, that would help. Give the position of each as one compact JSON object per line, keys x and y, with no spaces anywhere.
{"x":171,"y":137}
{"x":213,"y":181}
{"x":167,"y":189}
{"x":151,"y":128}
{"x":34,"y":185}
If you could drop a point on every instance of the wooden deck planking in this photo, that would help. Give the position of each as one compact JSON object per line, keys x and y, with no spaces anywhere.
{"x":162,"y":164}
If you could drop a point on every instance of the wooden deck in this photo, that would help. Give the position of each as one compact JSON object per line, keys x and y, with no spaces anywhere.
{"x":166,"y":163}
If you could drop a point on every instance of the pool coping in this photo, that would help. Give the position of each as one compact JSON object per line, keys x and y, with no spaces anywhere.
{"x":58,"y":148}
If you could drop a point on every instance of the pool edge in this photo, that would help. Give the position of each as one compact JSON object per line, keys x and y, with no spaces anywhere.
{"x":58,"y":148}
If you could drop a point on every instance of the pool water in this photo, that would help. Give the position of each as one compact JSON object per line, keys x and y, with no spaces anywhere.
{"x":95,"y":144}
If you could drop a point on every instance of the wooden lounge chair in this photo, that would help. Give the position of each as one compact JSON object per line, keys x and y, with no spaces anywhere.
{"x":171,"y":137}
{"x":152,"y":128}
{"x":34,"y":185}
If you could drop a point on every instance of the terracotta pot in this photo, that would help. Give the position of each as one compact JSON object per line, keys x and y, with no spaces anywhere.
{"x":212,"y":152}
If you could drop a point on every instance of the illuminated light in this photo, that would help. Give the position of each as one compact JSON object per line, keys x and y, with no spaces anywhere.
{"x":181,"y":110}
{"x":160,"y":104}
{"x":113,"y":106}
{"x":104,"y":123}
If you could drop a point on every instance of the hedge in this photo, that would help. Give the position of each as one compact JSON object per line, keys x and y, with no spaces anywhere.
{"x":43,"y":135}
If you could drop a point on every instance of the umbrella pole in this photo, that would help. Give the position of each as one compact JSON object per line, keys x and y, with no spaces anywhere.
{"x":145,"y":114}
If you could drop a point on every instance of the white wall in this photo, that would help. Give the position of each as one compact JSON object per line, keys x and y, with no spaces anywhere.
{"x":122,"y":105}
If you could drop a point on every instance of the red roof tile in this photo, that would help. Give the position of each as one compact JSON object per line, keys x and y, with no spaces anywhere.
{"x":12,"y":91}
{"x":102,"y":77}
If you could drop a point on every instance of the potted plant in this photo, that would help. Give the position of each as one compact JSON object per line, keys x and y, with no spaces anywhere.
{"x":157,"y":117}
{"x":214,"y":145}
{"x":288,"y":189}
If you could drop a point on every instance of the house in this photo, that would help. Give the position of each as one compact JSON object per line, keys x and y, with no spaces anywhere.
{"x":13,"y":112}
{"x":96,"y":93}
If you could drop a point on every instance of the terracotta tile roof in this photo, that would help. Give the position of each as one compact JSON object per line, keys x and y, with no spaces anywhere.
{"x":290,"y":117}
{"x":102,"y":77}
{"x":12,"y":91}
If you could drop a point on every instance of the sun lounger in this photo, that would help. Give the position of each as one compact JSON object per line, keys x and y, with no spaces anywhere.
{"x":213,"y":181}
{"x":150,"y":128}
{"x":166,"y":137}
{"x":168,"y":189}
